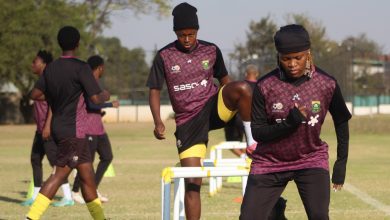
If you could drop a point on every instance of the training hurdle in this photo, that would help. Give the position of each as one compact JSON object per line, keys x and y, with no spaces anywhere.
{"x":178,"y":174}
{"x":217,"y":160}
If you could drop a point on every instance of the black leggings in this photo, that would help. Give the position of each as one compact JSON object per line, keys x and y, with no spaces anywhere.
{"x":263,"y":190}
{"x":40,"y":148}
{"x":101,"y":145}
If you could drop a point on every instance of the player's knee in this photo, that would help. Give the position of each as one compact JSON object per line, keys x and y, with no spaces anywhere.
{"x":241,"y":88}
{"x":245,"y":89}
{"x":52,"y":162}
{"x":192,"y":187}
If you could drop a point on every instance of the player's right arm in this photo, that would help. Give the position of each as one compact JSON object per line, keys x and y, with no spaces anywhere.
{"x":154,"y":102}
{"x":91,"y":87}
{"x":155,"y":83}
{"x":46,"y":132}
{"x":100,"y":98}
{"x":37,"y":94}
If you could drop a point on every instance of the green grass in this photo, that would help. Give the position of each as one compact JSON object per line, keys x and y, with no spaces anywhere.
{"x":139,"y":159}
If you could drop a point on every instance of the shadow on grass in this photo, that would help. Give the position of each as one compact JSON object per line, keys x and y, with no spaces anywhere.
{"x":10,"y":200}
{"x":18,"y":201}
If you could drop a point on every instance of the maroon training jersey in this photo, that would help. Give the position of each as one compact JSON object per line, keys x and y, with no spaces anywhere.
{"x":188,"y":75}
{"x":95,"y":124}
{"x":303,"y":148}
{"x":40,"y":114}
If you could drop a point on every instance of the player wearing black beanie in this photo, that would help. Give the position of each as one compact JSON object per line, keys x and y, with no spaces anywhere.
{"x":189,"y":67}
{"x":289,"y":106}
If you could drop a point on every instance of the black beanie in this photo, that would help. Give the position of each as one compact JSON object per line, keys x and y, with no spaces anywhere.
{"x":184,"y":16}
{"x":292,"y":38}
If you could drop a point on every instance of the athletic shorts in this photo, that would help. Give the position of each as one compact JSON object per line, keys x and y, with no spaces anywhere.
{"x":72,"y":152}
{"x":194,"y":133}
{"x":42,"y":147}
{"x":93,"y":144}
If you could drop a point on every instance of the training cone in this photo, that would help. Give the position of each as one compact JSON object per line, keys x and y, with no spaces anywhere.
{"x":30,"y":189}
{"x":110,"y":172}
{"x":234,"y":179}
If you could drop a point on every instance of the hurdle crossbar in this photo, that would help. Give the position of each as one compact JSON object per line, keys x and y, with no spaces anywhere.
{"x":173,"y":173}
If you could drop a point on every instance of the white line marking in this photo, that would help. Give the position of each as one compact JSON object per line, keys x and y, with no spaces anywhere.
{"x":367,"y":198}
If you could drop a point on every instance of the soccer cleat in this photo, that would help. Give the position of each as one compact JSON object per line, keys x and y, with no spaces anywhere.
{"x":77,"y":197}
{"x":102,"y":198}
{"x":63,"y":202}
{"x":28,"y":202}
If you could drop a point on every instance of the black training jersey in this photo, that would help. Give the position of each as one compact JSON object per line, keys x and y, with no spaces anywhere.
{"x":188,"y":75}
{"x":63,"y":82}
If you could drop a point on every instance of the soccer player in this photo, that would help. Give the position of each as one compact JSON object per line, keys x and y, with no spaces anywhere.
{"x":43,"y":144}
{"x":63,"y":84}
{"x":188,"y":66}
{"x":96,"y":134}
{"x":234,"y":129}
{"x":288,"y":109}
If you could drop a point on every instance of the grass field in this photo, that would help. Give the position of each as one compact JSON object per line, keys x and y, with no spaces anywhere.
{"x":134,"y":192}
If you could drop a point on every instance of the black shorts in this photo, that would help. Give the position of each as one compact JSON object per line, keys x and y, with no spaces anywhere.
{"x":195,"y":131}
{"x":93,"y":144}
{"x":41,"y":147}
{"x":72,"y":152}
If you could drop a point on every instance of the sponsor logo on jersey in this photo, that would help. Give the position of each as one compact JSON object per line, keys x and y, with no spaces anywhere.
{"x":313,"y":120}
{"x":277,"y":107}
{"x":296,"y":97}
{"x":189,"y":86}
{"x":175,"y":69}
{"x":203,"y":83}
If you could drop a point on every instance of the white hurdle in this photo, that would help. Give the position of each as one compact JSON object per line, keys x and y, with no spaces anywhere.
{"x":218,"y":161}
{"x":178,"y":174}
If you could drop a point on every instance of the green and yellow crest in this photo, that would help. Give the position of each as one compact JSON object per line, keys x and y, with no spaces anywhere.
{"x":315,"y":106}
{"x":205,"y":64}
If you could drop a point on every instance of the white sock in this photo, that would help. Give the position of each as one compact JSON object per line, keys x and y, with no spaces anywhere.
{"x":248,"y":133}
{"x":35,"y":193}
{"x":66,"y":189}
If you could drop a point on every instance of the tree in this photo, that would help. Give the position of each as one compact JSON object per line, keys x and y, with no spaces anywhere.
{"x":98,"y":12}
{"x":27,"y":26}
{"x":30,"y":25}
{"x":363,"y":54}
{"x":126,"y":70}
{"x":320,"y":44}
{"x":259,"y":48}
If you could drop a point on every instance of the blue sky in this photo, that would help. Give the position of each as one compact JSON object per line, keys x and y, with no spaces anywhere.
{"x":225,"y":22}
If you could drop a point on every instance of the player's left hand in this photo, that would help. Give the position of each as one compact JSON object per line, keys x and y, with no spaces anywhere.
{"x":337,"y":187}
{"x":250,"y":149}
{"x":115,"y":104}
{"x":159,"y":131}
{"x":46,"y":133}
